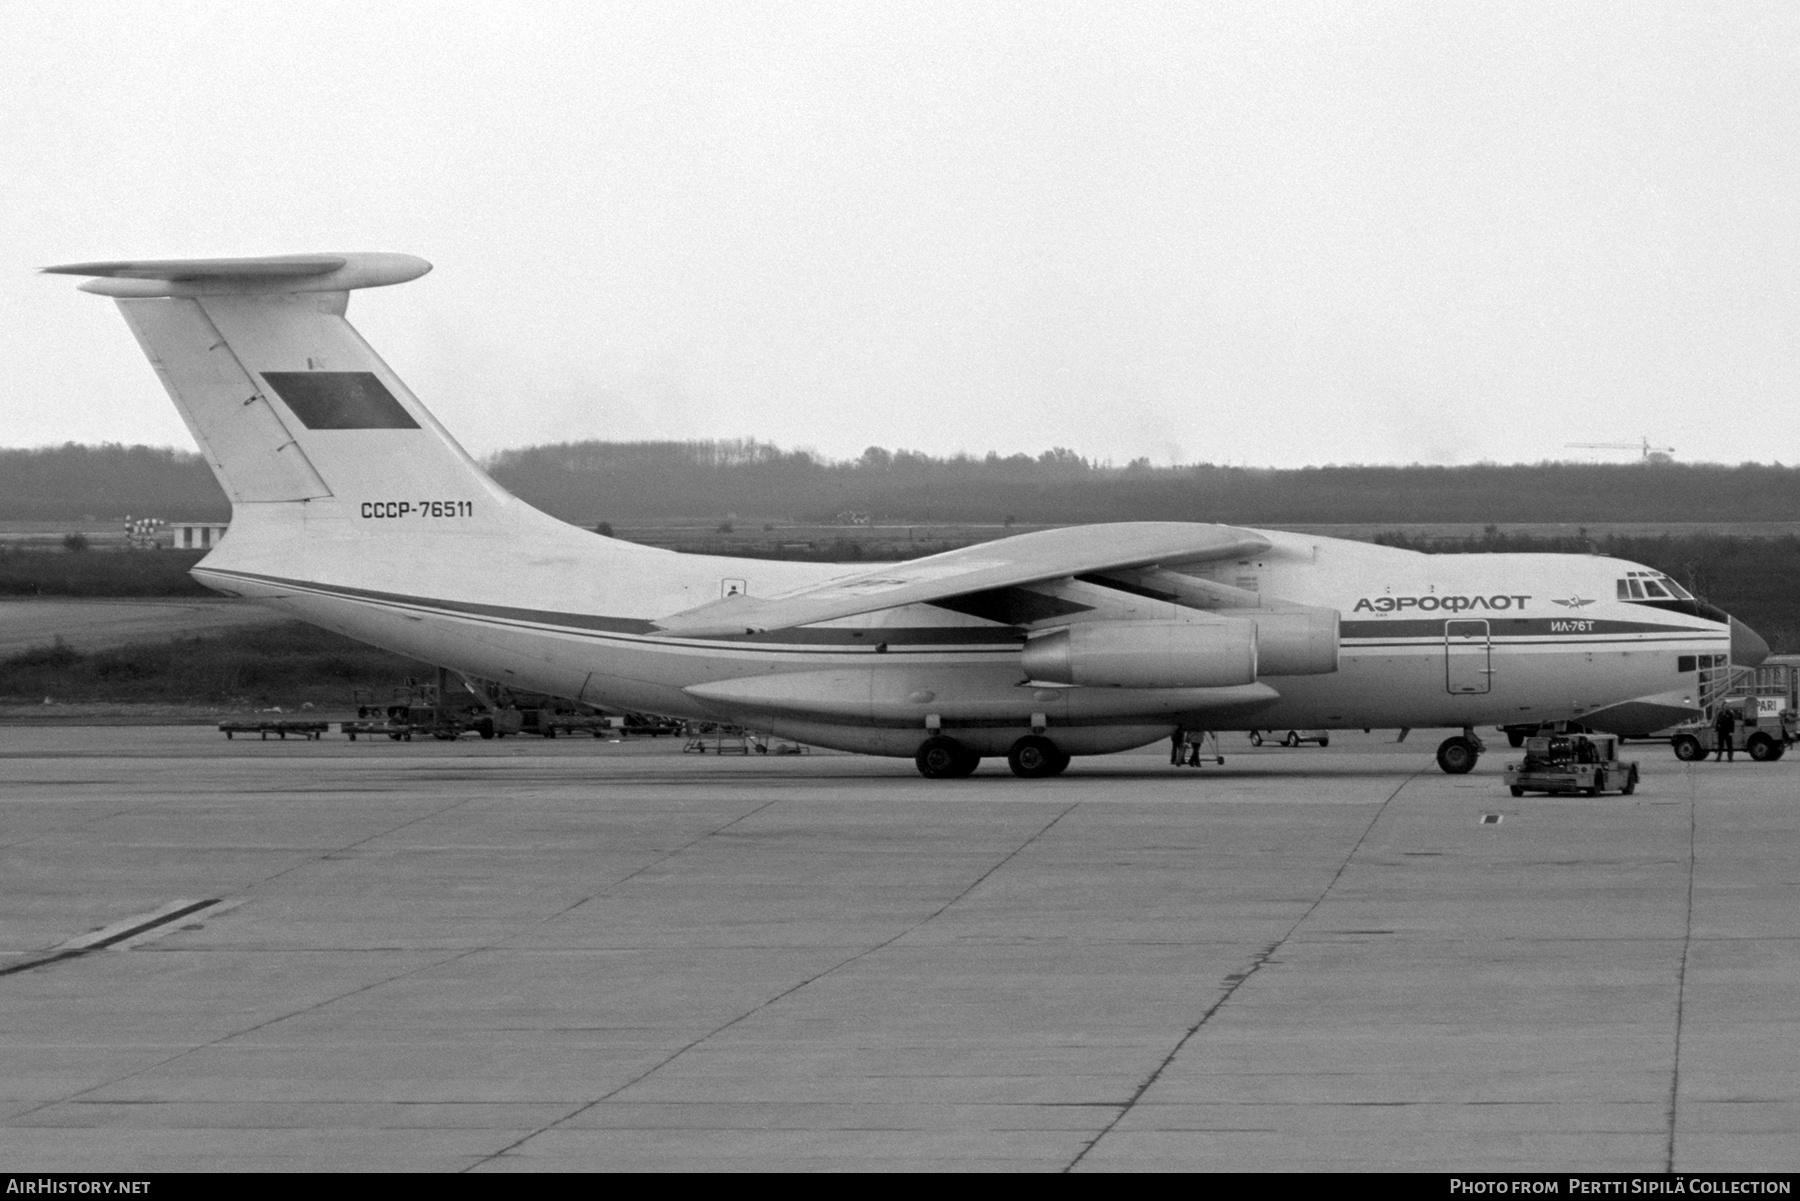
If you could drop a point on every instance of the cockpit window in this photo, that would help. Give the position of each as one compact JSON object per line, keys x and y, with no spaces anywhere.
{"x":1651,"y":586}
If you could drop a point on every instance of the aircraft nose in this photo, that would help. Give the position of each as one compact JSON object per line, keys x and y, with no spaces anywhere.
{"x":1747,"y":647}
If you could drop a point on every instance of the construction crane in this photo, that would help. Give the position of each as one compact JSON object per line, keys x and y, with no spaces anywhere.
{"x":1651,"y":454}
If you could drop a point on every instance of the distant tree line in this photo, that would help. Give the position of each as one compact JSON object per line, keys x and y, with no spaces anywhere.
{"x":72,"y":481}
{"x":586,"y":482}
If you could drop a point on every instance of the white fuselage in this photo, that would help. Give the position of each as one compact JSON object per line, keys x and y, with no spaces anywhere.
{"x":1426,"y":640}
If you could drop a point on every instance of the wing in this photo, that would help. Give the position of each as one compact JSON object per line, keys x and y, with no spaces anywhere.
{"x":1009,"y":562}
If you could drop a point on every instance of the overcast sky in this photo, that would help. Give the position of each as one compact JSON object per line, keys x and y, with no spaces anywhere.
{"x":1273,"y":234}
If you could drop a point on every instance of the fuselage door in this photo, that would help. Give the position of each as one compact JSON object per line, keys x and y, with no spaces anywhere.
{"x":1467,"y":654}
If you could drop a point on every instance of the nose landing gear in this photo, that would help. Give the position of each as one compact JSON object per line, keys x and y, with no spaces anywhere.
{"x":1457,"y":755}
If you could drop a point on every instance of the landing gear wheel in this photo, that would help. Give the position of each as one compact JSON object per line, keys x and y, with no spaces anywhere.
{"x":1034,"y":757}
{"x":1292,"y":739}
{"x":1688,"y":748}
{"x":1457,"y":756}
{"x":1630,"y":784}
{"x":1761,"y":748}
{"x":1324,"y":742}
{"x":942,"y":758}
{"x":1515,"y":738}
{"x":1517,"y":791}
{"x":485,"y":727}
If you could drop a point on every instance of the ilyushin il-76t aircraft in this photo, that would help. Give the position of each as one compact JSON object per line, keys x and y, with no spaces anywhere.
{"x":353,"y":509}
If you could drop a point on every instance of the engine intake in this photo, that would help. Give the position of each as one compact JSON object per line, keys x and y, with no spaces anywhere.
{"x":1146,"y":654}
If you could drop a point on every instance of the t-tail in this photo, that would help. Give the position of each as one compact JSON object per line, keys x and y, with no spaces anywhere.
{"x":335,"y":471}
{"x":287,"y":402}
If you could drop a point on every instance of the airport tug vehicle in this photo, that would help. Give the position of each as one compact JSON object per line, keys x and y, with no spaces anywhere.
{"x":1563,"y":764}
{"x":1764,"y":731}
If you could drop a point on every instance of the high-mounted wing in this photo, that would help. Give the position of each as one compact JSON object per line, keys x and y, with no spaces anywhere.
{"x":1006,"y":563}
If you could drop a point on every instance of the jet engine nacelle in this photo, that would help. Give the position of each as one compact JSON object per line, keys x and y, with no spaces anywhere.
{"x":1146,"y":654}
{"x":1297,"y":642}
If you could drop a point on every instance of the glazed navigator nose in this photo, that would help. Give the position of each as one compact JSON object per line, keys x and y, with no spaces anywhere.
{"x":1747,"y":647}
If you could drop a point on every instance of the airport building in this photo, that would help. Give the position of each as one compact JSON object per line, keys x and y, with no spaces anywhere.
{"x":196,"y":535}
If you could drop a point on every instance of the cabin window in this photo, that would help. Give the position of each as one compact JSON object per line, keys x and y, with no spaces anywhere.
{"x":1684,"y":664}
{"x":1656,"y":591}
{"x":1624,"y":591}
{"x":1637,"y":590}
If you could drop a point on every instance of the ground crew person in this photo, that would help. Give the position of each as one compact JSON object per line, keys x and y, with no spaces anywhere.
{"x":1724,"y":725}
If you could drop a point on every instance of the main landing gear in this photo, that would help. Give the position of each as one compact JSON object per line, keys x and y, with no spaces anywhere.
{"x":942,"y":758}
{"x":1457,"y":755}
{"x":1033,"y":757}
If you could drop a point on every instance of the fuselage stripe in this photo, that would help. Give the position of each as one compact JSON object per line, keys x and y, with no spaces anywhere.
{"x":933,"y":640}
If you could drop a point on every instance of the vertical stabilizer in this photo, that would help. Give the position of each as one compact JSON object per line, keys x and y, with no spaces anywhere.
{"x":246,"y":441}
{"x":286,"y":400}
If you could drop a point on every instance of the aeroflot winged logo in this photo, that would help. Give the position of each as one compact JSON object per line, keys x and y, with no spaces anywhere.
{"x":1574,"y":602}
{"x":1442,"y":604}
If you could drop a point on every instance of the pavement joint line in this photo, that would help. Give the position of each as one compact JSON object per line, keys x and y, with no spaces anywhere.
{"x":137,"y":923}
{"x":107,"y":936}
{"x":780,"y":996}
{"x":1240,"y":979}
{"x":251,"y":1029}
{"x":136,"y":939}
{"x":628,"y":877}
{"x":1687,"y":944}
{"x":137,"y":802}
{"x":325,"y":855}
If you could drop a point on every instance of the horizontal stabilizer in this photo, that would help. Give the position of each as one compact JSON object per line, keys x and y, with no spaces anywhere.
{"x":1006,"y":563}
{"x":135,"y":278}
